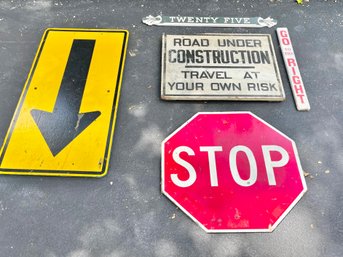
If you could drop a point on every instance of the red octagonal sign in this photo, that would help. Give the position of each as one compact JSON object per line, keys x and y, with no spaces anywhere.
{"x":232,"y":172}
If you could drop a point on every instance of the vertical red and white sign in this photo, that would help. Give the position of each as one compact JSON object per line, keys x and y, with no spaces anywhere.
{"x":293,"y":72}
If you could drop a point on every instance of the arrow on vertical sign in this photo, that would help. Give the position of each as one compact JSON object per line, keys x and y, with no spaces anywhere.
{"x":65,"y":123}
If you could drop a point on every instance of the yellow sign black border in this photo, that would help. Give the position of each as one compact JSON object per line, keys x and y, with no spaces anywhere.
{"x":66,"y":173}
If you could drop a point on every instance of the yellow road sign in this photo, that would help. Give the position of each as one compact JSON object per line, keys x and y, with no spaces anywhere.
{"x":64,"y":122}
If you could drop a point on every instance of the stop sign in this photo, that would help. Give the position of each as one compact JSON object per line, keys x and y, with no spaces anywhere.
{"x":232,"y":172}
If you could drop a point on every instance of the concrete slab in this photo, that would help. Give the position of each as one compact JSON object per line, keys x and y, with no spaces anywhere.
{"x":124,"y":213}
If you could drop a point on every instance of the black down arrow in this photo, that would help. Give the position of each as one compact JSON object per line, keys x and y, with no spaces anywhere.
{"x":65,"y":123}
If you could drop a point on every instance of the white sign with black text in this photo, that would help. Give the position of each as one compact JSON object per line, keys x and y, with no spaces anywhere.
{"x":220,"y":67}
